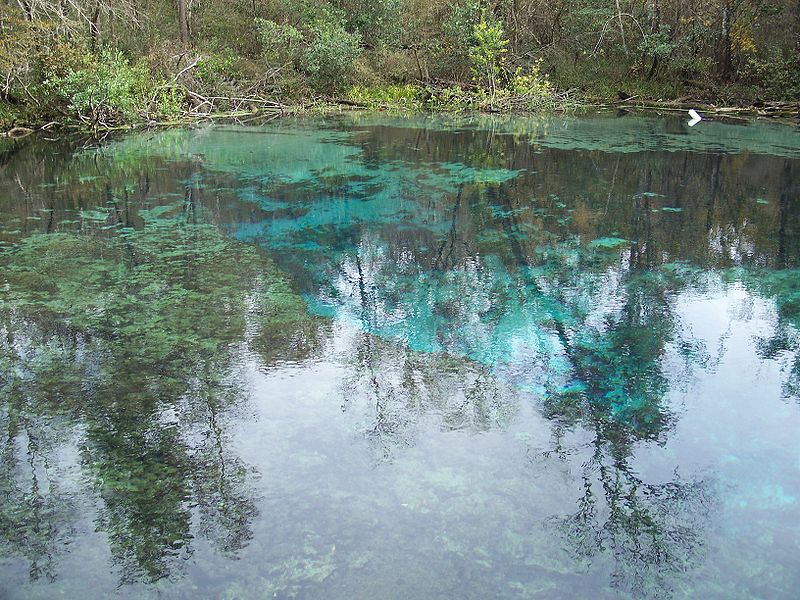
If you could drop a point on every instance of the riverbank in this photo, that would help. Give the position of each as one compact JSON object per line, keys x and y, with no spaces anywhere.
{"x":787,"y":112}
{"x":150,"y":66}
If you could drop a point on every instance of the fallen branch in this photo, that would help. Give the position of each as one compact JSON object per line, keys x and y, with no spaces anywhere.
{"x":186,"y":68}
{"x":253,"y":100}
{"x":345,"y":102}
{"x":202,"y":101}
{"x":18,"y":132}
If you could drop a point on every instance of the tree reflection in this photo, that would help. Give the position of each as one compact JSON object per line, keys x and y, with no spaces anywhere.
{"x":135,"y":343}
{"x":653,"y":532}
{"x":221,"y":481}
{"x":36,"y":514}
{"x":398,"y":390}
{"x":782,"y":284}
{"x":783,"y":344}
{"x":614,"y":324}
{"x":616,"y":342}
{"x":556,"y":272}
{"x":588,"y":327}
{"x":517,"y":270}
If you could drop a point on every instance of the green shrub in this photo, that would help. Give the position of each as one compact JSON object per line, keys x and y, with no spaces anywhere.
{"x":214,"y":69}
{"x":321,"y":48}
{"x":453,"y":99}
{"x":169,"y":102}
{"x":24,"y":45}
{"x":331,"y":53}
{"x":406,"y":96}
{"x":380,"y":22}
{"x":487,"y":53}
{"x":778,"y":74}
{"x":280,"y":44}
{"x":655,"y":47}
{"x":459,"y":25}
{"x":8,"y":115}
{"x":107,"y":90}
{"x":534,"y":83}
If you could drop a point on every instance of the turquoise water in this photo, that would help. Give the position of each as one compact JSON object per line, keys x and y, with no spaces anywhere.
{"x":379,"y":356}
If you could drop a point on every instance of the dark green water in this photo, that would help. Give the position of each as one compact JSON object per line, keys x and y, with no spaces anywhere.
{"x":377,"y":357}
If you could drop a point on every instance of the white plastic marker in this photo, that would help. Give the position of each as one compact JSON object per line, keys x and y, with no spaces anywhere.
{"x":696,"y":118}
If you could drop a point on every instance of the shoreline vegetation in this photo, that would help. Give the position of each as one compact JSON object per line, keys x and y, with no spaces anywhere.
{"x":98,"y":65}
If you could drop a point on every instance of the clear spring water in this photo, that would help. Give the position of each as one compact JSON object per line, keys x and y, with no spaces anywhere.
{"x":383,"y":357}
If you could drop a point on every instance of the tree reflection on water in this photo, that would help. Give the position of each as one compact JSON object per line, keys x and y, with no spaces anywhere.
{"x":603,"y":327}
{"x":475,"y":272}
{"x":138,"y":341}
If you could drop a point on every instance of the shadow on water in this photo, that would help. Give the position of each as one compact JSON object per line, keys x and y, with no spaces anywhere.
{"x":481,"y":267}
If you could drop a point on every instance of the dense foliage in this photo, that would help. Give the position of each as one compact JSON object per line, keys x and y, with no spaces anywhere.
{"x":104,"y":62}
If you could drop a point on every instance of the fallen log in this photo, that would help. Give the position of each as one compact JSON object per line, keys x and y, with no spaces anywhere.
{"x":19,"y":132}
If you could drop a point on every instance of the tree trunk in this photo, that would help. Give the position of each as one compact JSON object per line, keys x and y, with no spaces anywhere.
{"x":654,"y":18}
{"x":94,"y":29}
{"x":725,"y":66}
{"x":27,"y":8}
{"x":183,"y":20}
{"x":797,"y":33}
{"x":621,"y":29}
{"x":653,"y":14}
{"x":784,"y":212}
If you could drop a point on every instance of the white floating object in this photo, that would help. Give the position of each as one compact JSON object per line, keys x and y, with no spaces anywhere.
{"x":696,"y":118}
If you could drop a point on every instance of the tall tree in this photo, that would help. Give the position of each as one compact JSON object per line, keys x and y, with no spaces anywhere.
{"x":183,"y":20}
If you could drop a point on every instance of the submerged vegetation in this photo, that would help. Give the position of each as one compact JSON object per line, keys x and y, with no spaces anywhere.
{"x":103,"y":63}
{"x":130,"y":332}
{"x":292,"y":360}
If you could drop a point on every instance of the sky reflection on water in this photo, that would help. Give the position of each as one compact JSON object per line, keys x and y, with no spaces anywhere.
{"x":373,"y":356}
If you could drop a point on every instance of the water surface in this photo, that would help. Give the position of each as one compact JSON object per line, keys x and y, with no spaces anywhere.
{"x":422,"y":357}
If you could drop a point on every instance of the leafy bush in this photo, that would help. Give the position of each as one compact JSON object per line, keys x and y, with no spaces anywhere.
{"x":656,"y":47}
{"x":25,"y":43}
{"x":459,"y":26}
{"x":331,"y":52}
{"x":214,"y":69}
{"x":380,"y":22}
{"x":169,"y":102}
{"x":108,"y":90}
{"x":533,"y":84}
{"x":320,"y":47}
{"x":406,"y":96}
{"x":486,"y":54}
{"x":279,"y":43}
{"x":778,"y":74}
{"x":8,"y":115}
{"x":453,"y":99}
